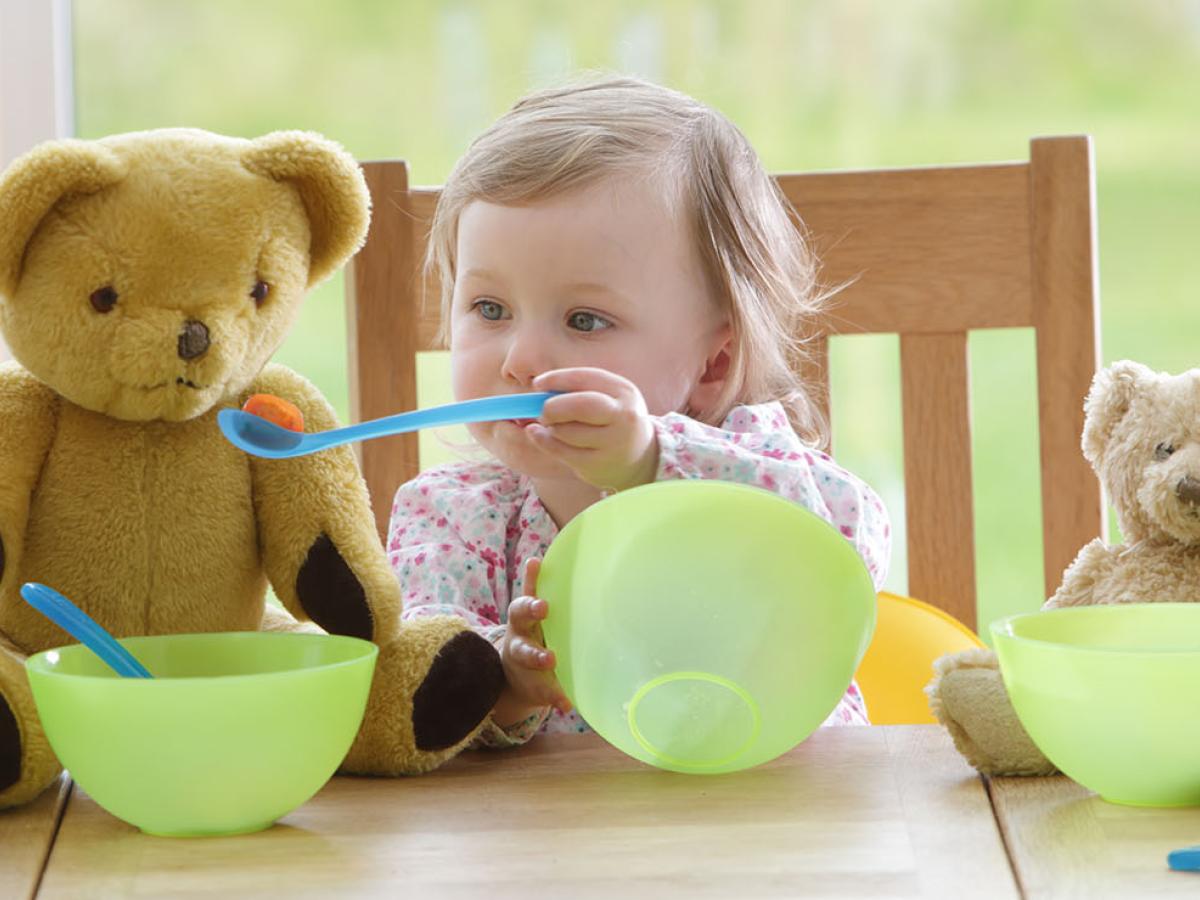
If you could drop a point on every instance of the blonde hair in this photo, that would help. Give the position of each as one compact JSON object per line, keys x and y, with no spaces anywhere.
{"x":759,"y":269}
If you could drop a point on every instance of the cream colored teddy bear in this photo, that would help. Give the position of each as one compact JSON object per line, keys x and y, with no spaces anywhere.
{"x":1142,"y":436}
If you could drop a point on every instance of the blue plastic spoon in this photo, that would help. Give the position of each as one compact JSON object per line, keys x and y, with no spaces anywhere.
{"x":73,"y":620}
{"x":1185,"y":859}
{"x":256,"y":435}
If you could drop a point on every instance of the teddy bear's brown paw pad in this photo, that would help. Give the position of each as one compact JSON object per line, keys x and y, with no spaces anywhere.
{"x":331,"y":594}
{"x":10,"y":746}
{"x":461,"y":688}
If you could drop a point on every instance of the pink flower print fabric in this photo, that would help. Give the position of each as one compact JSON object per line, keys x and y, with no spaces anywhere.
{"x":460,"y":534}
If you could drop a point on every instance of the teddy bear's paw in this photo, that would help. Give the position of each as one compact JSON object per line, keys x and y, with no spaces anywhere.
{"x":969,"y":699}
{"x":460,"y":690}
{"x":26,"y":767}
{"x":331,"y":594}
{"x":10,"y":746}
{"x":435,"y":683}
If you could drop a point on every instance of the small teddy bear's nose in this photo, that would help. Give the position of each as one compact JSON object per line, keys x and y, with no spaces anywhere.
{"x":1188,"y":490}
{"x":193,"y":340}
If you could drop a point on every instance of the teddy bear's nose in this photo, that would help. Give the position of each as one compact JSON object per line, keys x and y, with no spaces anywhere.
{"x":193,"y":340}
{"x":1188,"y":490}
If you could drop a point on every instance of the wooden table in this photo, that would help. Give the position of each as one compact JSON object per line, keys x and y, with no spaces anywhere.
{"x":852,"y":812}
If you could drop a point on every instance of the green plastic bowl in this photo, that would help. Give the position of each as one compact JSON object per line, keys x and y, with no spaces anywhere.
{"x":702,"y":626}
{"x":1102,"y":691}
{"x":234,"y":731}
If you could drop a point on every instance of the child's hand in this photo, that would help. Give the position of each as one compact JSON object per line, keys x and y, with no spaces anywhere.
{"x":528,"y":665}
{"x":600,"y":428}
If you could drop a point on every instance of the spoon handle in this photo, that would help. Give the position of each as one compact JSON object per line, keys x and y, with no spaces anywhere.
{"x":58,"y":609}
{"x":483,"y":409}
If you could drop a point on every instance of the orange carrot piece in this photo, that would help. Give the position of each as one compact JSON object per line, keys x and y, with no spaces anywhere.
{"x":275,"y":409}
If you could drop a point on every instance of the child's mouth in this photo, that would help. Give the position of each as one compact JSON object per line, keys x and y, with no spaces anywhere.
{"x":521,"y":423}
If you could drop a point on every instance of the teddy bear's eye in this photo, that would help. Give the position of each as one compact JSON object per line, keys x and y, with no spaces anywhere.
{"x":104,"y":299}
{"x":1162,"y":451}
{"x":259,"y":292}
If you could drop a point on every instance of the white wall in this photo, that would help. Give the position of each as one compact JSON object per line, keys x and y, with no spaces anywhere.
{"x":36,"y":101}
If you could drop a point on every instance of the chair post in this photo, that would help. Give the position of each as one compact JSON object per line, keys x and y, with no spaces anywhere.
{"x":939,"y":506}
{"x":382,"y":318}
{"x":1067,"y":322}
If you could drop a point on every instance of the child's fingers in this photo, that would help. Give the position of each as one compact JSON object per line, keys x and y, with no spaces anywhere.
{"x":533,"y":565}
{"x":576,"y":437}
{"x":530,"y":655}
{"x":536,"y":684}
{"x":524,"y":614}
{"x":587,"y":407}
{"x":583,"y":378}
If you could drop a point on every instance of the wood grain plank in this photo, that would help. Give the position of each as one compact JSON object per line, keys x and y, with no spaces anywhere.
{"x":852,"y":812}
{"x":920,"y":250}
{"x":381,"y":306}
{"x":937,"y":472}
{"x":1065,"y":841}
{"x":917,"y":250}
{"x":27,"y":835}
{"x":1067,"y":316}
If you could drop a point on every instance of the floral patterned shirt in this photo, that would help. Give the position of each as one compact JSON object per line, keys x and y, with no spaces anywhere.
{"x":460,"y":534}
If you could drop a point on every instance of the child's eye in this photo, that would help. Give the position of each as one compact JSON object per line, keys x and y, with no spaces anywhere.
{"x":489,"y":310}
{"x":588,"y":321}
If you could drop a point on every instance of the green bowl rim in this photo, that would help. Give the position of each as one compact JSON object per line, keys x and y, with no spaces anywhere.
{"x":37,"y":662}
{"x":999,"y":630}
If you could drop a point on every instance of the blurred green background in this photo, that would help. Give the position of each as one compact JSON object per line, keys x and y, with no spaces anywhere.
{"x":814,"y":85}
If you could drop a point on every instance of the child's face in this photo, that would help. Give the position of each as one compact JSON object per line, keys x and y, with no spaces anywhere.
{"x":605,"y":276}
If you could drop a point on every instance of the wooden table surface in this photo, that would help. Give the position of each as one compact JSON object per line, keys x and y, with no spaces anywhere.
{"x":1064,"y":841}
{"x":26,"y":836}
{"x":852,"y":812}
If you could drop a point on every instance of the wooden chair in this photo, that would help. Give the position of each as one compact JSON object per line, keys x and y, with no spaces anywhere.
{"x":929,"y":254}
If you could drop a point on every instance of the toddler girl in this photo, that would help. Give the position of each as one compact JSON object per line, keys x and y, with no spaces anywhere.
{"x":621,"y":243}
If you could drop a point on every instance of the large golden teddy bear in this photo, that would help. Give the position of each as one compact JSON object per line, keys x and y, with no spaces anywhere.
{"x":145,"y":280}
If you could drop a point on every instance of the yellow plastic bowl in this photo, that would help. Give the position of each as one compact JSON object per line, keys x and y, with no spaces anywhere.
{"x":702,"y":626}
{"x":234,"y":731}
{"x":1102,"y":691}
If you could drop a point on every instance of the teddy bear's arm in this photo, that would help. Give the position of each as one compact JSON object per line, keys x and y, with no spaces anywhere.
{"x":316,"y":530}
{"x":28,"y":411}
{"x":1090,"y":568}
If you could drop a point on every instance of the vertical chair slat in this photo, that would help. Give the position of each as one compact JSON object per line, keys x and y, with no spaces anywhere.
{"x":1067,"y":321}
{"x":381,"y":311}
{"x":937,"y":471}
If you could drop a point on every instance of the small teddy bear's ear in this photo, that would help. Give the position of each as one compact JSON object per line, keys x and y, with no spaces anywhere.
{"x":331,"y":186}
{"x":1109,"y":399}
{"x":35,"y":182}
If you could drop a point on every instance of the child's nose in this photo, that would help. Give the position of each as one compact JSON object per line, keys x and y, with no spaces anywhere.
{"x":528,"y":356}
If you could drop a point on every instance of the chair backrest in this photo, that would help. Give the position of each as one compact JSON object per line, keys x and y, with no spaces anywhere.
{"x":928,"y":253}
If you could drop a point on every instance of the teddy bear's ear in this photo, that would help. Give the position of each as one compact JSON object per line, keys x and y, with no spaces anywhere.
{"x":33,"y":183}
{"x":1109,"y":399}
{"x":331,"y":186}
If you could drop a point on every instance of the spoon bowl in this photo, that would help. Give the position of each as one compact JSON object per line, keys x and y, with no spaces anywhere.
{"x":263,"y":438}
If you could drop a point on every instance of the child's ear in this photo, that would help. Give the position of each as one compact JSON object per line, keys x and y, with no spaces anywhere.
{"x":712,"y":383}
